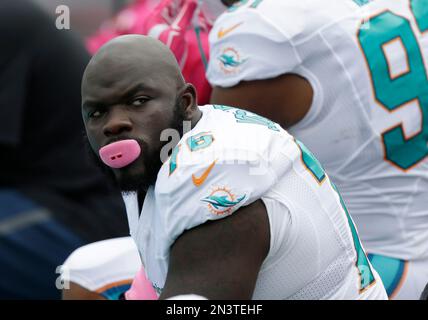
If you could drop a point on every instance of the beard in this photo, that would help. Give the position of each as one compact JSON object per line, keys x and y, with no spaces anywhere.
{"x":129,"y":182}
{"x":151,"y":159}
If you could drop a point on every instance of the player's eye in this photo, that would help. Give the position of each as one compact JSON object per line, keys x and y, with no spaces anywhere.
{"x":138,"y":102}
{"x":95,"y":114}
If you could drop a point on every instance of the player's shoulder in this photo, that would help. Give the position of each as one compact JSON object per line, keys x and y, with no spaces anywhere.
{"x":279,"y":20}
{"x":227,"y":143}
{"x":229,"y":159}
{"x":230,"y":133}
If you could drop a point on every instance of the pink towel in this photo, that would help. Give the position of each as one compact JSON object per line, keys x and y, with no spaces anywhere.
{"x":141,"y":288}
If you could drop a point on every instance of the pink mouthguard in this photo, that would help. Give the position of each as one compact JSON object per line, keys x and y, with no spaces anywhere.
{"x":121,"y":153}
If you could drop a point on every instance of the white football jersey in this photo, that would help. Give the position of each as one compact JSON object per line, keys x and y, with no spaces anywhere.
{"x":368,"y":124}
{"x":106,"y":267}
{"x":230,"y":159}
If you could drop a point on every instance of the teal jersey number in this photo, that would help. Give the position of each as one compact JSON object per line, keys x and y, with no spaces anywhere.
{"x":256,"y":3}
{"x":252,"y":4}
{"x":223,"y":107}
{"x":173,"y":160}
{"x":249,"y":117}
{"x":242,"y":116}
{"x":420,"y":11}
{"x":200,"y":141}
{"x":311,"y":163}
{"x":195,"y":143}
{"x":394,"y":92}
{"x":362,"y":2}
{"x":362,"y":263}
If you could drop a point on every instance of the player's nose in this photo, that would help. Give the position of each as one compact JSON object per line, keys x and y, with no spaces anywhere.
{"x":117,"y":123}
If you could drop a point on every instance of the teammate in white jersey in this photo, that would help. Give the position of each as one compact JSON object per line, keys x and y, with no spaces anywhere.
{"x":239,"y":209}
{"x":100,"y":270}
{"x":349,"y":79}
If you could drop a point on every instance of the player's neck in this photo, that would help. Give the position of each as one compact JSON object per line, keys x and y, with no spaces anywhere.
{"x":197,"y":115}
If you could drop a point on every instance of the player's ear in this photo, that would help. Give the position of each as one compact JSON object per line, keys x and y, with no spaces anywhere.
{"x":189,"y":100}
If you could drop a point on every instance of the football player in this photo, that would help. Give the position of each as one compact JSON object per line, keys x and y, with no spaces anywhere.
{"x":348,"y":78}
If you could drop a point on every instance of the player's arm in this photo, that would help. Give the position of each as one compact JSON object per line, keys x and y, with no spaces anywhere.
{"x":285,"y":99}
{"x":77,"y":292}
{"x":220,"y":259}
{"x":254,"y":66}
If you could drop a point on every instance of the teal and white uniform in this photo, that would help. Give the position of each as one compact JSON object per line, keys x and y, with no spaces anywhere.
{"x":367,"y":62}
{"x":106,"y":267}
{"x":314,"y":250}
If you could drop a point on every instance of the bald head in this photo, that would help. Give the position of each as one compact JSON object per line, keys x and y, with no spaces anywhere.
{"x":136,"y":54}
